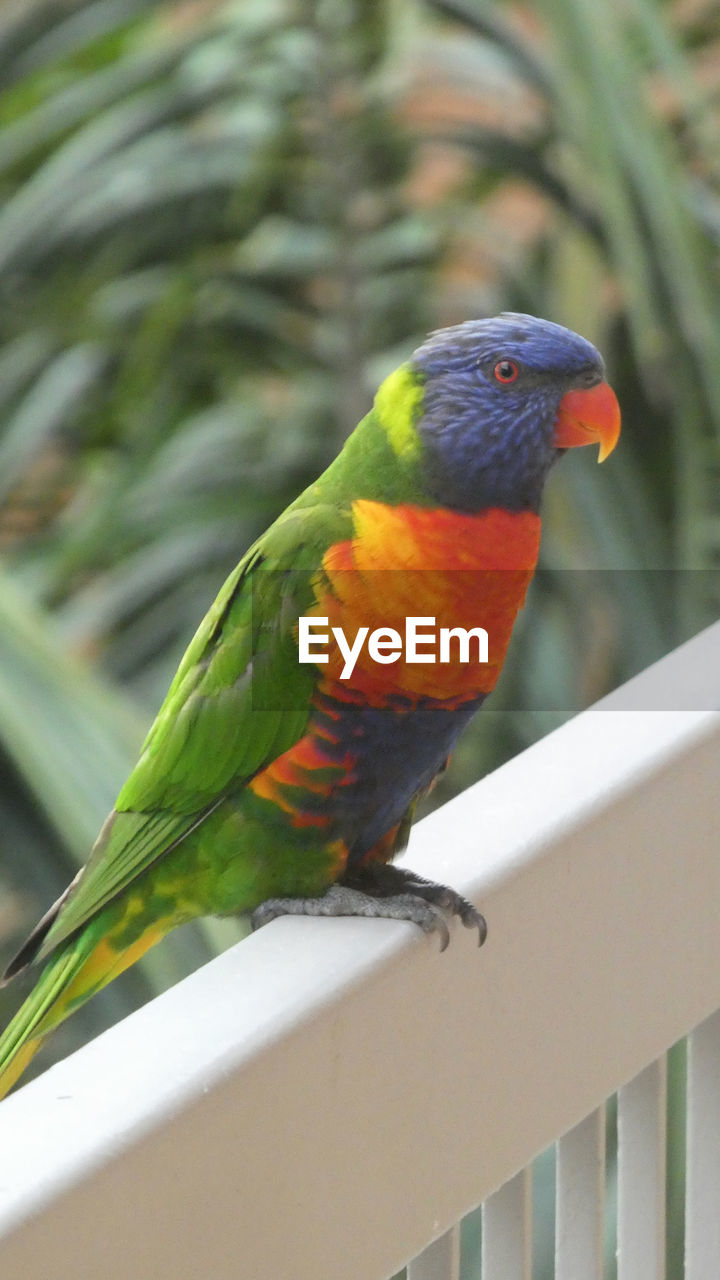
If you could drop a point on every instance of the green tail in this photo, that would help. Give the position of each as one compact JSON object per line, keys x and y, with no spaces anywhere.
{"x":80,"y":967}
{"x":41,"y":1012}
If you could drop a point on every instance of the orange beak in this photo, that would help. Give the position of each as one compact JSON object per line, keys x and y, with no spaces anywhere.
{"x":589,"y":417}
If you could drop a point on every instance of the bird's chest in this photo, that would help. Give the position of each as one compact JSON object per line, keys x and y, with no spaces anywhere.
{"x":427,"y":585}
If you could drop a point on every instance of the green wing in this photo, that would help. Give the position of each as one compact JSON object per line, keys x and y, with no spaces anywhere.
{"x":238,"y":700}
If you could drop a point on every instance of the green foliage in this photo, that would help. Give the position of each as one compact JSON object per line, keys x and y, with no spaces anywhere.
{"x":202,"y":248}
{"x":624,"y":250}
{"x":206,"y":261}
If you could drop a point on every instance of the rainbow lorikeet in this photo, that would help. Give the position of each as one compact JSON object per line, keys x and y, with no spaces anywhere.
{"x":270,"y":785}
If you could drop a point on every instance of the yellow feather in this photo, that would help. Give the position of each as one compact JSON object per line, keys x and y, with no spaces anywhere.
{"x":398,"y":402}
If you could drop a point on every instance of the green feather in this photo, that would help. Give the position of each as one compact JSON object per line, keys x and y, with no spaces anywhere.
{"x":186,"y":833}
{"x":227,"y":714}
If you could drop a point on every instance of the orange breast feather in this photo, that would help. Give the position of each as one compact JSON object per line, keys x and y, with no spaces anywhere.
{"x":463,"y":570}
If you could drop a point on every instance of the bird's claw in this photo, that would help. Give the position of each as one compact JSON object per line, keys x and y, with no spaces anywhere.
{"x":451,"y":902}
{"x":383,"y":892}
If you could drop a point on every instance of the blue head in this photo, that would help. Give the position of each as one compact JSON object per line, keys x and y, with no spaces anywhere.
{"x":502,"y":399}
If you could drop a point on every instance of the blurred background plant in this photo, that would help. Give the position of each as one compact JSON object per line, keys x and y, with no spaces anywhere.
{"x":221,"y":224}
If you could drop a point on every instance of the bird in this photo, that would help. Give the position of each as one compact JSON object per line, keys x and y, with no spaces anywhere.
{"x":270,"y":786}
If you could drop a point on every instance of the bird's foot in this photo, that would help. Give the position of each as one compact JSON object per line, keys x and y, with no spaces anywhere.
{"x":384,"y":879}
{"x":382,"y":891}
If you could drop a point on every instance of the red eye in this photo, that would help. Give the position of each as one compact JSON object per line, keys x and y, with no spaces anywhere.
{"x":506,"y":371}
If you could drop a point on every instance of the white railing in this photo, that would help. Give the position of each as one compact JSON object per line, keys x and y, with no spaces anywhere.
{"x":327,"y":1098}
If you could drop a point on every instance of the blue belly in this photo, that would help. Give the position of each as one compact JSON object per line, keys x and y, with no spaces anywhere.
{"x":398,"y":749}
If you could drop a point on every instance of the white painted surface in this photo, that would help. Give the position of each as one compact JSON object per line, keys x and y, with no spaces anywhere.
{"x":580,"y":1200}
{"x":507,"y":1230}
{"x":642,"y":1112}
{"x":441,"y":1259}
{"x":330,"y":1096}
{"x":702,"y":1213}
